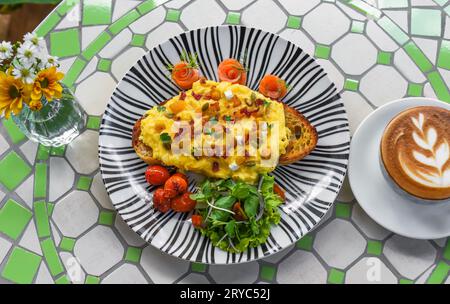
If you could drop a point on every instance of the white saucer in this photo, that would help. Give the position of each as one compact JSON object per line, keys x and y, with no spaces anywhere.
{"x":378,"y":199}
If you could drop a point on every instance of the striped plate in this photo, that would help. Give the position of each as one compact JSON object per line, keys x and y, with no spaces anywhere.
{"x":312,"y":184}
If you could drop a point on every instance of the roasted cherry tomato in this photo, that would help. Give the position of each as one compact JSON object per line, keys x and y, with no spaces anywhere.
{"x":279,"y":191}
{"x":174,"y":186}
{"x":156,"y":175}
{"x":182,"y":176}
{"x":239,"y":213}
{"x":183,"y":203}
{"x":160,"y":202}
{"x":197,"y":220}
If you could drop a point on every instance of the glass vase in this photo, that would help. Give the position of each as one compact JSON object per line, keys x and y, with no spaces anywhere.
{"x":56,"y":124}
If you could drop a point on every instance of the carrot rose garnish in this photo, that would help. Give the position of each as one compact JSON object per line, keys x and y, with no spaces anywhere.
{"x":273,"y":87}
{"x":185,"y":73}
{"x":233,"y":71}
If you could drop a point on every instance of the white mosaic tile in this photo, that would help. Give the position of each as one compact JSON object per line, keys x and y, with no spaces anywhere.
{"x":98,"y":250}
{"x":82,"y":152}
{"x":43,"y":276}
{"x":423,"y":3}
{"x":30,"y":239}
{"x":370,"y":271}
{"x":90,"y":68}
{"x":367,"y":225}
{"x":236,"y":5}
{"x":4,"y":146}
{"x":71,"y":19}
{"x":5,"y":245}
{"x":123,"y":63}
{"x":259,"y":12}
{"x":29,"y":149}
{"x":300,"y":39}
{"x":55,"y":233}
{"x":329,"y":240}
{"x":445,"y":75}
{"x":162,"y":268}
{"x":383,"y":84}
{"x":357,"y":109}
{"x":131,"y":237}
{"x":122,"y":7}
{"x":275,"y":258}
{"x":410,"y":257}
{"x":353,"y":14}
{"x":59,"y":183}
{"x":192,"y":19}
{"x":400,"y":18}
{"x":295,"y":7}
{"x":117,"y":44}
{"x":99,"y":191}
{"x":379,"y":37}
{"x":194,"y":278}
{"x":408,"y":68}
{"x":423,"y":278}
{"x":25,"y":191}
{"x":73,"y":268}
{"x":235,"y":274}
{"x":346,"y":194}
{"x":125,"y":274}
{"x":146,"y":23}
{"x":428,"y":91}
{"x":89,"y":33}
{"x":176,"y":3}
{"x":333,"y":73}
{"x":75,"y":213}
{"x":428,"y":46}
{"x":94,"y":101}
{"x":441,"y":242}
{"x":327,"y":14}
{"x":65,"y":64}
{"x":156,"y":37}
{"x":363,"y":54}
{"x":312,"y":272}
{"x":447,"y":28}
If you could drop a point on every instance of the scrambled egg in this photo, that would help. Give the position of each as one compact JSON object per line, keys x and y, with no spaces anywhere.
{"x":215,"y":125}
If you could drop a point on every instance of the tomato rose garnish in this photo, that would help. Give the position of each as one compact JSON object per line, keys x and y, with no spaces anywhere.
{"x":273,"y":87}
{"x":183,"y":203}
{"x":233,"y":71}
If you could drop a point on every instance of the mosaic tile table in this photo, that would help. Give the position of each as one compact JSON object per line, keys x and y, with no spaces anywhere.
{"x":55,"y":213}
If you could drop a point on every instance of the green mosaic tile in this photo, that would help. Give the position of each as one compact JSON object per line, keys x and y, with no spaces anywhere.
{"x":384,"y":58}
{"x":51,"y":256}
{"x":106,"y":218}
{"x":267,"y":273}
{"x":93,"y":122}
{"x":66,"y":6}
{"x":343,"y":210}
{"x":133,"y":254}
{"x":406,"y":281}
{"x":40,"y":180}
{"x":43,"y":152}
{"x":306,"y":242}
{"x":374,"y":247}
{"x":439,"y":86}
{"x":67,"y":244}
{"x":336,"y":276}
{"x":50,"y":22}
{"x":365,"y":8}
{"x":147,"y":6}
{"x":14,"y":218}
{"x":447,"y":250}
{"x":418,"y":57}
{"x":173,"y":15}
{"x":58,"y":151}
{"x":444,"y":55}
{"x":104,"y":65}
{"x":65,"y":43}
{"x":233,"y":18}
{"x":41,"y":217}
{"x":351,"y":85}
{"x":138,"y":40}
{"x":22,"y":266}
{"x":393,"y":30}
{"x":294,"y":22}
{"x":13,"y":131}
{"x":358,"y":26}
{"x":97,"y":12}
{"x":62,"y":280}
{"x":124,"y":21}
{"x":415,"y":89}
{"x":198,"y":267}
{"x":92,"y":280}
{"x":96,"y":45}
{"x":13,"y":163}
{"x":439,"y":274}
{"x":50,"y":207}
{"x":74,"y":72}
{"x":426,"y":22}
{"x":322,"y":51}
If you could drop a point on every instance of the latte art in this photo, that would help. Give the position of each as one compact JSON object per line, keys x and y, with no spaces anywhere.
{"x":415,"y":151}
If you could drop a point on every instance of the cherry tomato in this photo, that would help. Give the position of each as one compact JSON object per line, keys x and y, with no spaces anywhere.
{"x":182,"y":176}
{"x":239,"y":214}
{"x":175,"y":185}
{"x":183,"y":203}
{"x":161,"y":203}
{"x":279,"y":191}
{"x":156,"y":175}
{"x":197,"y":220}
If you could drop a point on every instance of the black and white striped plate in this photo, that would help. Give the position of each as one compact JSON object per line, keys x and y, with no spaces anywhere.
{"x":311,"y":184}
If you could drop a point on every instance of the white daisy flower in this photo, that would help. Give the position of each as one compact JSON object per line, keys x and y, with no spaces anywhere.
{"x":27,"y":53}
{"x":6,"y":50}
{"x":48,"y":61}
{"x":34,"y":39}
{"x":25,"y":72}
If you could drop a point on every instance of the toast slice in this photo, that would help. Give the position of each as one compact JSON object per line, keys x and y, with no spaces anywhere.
{"x":302,"y":141}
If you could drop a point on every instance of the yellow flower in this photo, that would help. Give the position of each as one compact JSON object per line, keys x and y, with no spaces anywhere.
{"x":13,"y":93}
{"x":35,"y":105}
{"x":47,"y":84}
